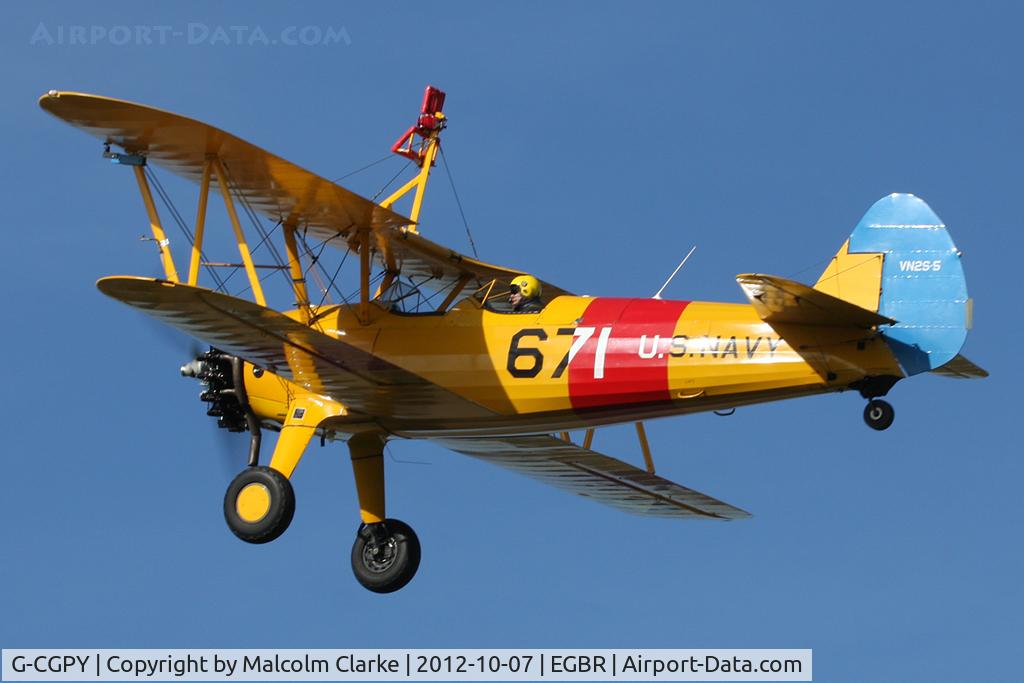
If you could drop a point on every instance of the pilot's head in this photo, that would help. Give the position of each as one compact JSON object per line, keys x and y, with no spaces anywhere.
{"x":524,"y":289}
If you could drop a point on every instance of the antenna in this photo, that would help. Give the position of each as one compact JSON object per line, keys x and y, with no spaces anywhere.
{"x":678,"y":268}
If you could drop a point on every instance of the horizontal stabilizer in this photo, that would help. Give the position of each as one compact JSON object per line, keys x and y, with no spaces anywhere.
{"x":778,"y":300}
{"x":961,"y":368}
{"x":592,"y":475}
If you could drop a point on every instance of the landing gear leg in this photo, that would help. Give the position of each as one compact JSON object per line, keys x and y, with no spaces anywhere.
{"x":386,"y":552}
{"x":260,"y":502}
{"x":878,"y":414}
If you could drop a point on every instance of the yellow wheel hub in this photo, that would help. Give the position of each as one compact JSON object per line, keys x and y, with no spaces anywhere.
{"x":253,"y":502}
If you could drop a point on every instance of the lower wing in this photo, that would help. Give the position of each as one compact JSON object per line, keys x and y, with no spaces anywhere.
{"x":362,"y":382}
{"x":590,"y":474}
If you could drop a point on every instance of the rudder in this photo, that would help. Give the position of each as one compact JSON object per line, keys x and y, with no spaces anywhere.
{"x":900,"y":261}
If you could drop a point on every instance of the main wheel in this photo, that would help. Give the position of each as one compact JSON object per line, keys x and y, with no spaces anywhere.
{"x":385,"y":556}
{"x":259,"y":504}
{"x":879,"y":414}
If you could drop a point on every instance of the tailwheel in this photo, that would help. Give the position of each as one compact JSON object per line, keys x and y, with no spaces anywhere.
{"x":259,"y":504}
{"x":385,"y":555}
{"x":879,"y":414}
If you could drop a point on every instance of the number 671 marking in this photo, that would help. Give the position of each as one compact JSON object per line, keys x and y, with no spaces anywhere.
{"x":581,"y":335}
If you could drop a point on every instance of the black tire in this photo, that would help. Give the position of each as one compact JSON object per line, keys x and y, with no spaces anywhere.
{"x":386,"y":568}
{"x":879,"y":414}
{"x":252,"y":523}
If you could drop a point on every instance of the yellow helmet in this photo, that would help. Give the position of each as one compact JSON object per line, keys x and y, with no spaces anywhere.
{"x":527,"y":285}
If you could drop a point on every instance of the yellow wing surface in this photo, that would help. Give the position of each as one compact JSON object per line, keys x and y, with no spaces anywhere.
{"x":595,"y":476}
{"x":359,"y":380}
{"x":279,"y":189}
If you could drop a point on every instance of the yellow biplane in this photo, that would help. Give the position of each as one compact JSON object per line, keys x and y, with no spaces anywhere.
{"x":470,"y":371}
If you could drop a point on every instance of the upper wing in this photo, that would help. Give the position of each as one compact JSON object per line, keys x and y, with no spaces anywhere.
{"x":778,"y":300}
{"x":359,"y":380}
{"x":275,"y":187}
{"x":595,"y":476}
{"x":961,"y":368}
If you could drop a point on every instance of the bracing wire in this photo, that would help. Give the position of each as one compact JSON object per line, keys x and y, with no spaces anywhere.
{"x":265,"y":237}
{"x":314,"y":267}
{"x":258,"y":225}
{"x":355,"y":293}
{"x":321,"y":271}
{"x":360,"y":170}
{"x":182,"y":225}
{"x":448,"y":171}
{"x":334,"y":277}
{"x":393,"y":179}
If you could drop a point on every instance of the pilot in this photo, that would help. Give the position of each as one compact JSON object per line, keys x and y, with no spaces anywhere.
{"x":524,"y":294}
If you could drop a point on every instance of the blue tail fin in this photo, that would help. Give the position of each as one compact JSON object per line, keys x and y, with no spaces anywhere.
{"x":922,"y":281}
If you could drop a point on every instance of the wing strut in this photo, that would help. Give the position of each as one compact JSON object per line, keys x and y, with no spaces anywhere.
{"x":243,"y":246}
{"x":295,"y":268}
{"x":645,"y":447}
{"x":212,"y":167}
{"x":197,"y":243}
{"x":364,"y":276}
{"x":154,"y":222}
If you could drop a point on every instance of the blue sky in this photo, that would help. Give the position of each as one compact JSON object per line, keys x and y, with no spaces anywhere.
{"x":592,"y":143}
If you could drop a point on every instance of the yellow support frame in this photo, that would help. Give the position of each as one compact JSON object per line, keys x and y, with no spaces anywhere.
{"x":428,"y":154}
{"x":419,"y":182}
{"x":295,"y":268}
{"x":305,"y":413}
{"x":385,"y":283}
{"x":197,"y":243}
{"x":243,"y":247}
{"x":364,"y":277}
{"x":456,"y":290}
{"x":645,"y":447}
{"x":154,"y":225}
{"x":367,"y":454}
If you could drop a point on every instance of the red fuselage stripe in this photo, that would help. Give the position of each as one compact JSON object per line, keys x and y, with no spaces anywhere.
{"x":625,"y":357}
